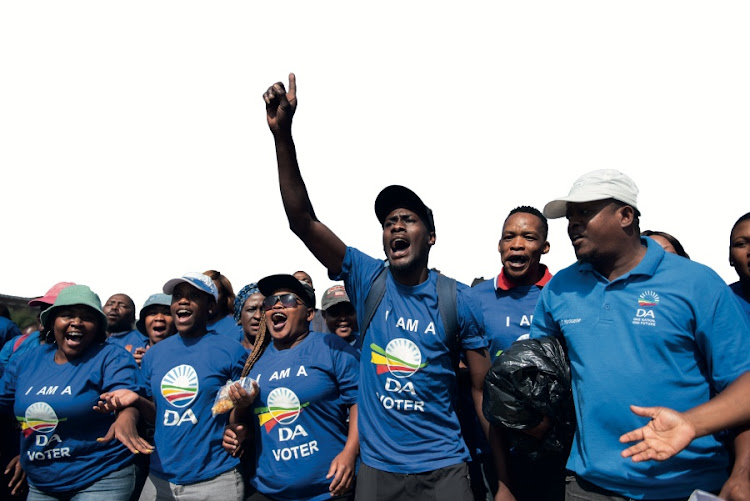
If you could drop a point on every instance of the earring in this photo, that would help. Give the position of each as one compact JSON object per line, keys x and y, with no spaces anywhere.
{"x":49,"y":338}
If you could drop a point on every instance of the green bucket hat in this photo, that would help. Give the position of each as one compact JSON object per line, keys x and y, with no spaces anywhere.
{"x":72,"y":295}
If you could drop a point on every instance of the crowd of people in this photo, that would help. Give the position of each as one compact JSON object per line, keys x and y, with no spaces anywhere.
{"x":379,"y":395}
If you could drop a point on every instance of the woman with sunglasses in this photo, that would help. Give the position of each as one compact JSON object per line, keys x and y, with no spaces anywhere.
{"x":305,"y":445}
{"x":66,"y":447}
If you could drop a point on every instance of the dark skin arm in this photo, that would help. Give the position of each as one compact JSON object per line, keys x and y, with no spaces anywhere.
{"x":737,"y":486}
{"x":322,"y":242}
{"x":342,"y":466}
{"x":124,"y":430}
{"x":17,"y":482}
{"x":236,"y":431}
{"x":670,"y":431}
{"x":117,"y":400}
{"x":478,"y":363}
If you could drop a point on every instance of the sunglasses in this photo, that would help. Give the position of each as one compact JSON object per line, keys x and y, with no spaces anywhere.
{"x":288,"y":300}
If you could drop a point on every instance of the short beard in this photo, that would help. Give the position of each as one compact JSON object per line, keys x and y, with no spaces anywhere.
{"x":121,"y":326}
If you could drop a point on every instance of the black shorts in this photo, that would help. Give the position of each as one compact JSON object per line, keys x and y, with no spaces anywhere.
{"x":446,"y":484}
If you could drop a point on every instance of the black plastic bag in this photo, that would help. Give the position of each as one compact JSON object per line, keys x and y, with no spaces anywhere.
{"x":528,"y":381}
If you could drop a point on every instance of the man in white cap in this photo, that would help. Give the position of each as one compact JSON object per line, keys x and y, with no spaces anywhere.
{"x":646,"y":327}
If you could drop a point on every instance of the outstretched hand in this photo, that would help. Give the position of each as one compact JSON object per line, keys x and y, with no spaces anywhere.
{"x":124,"y":429}
{"x":664,"y":436}
{"x":280,"y":105}
{"x":116,"y":400}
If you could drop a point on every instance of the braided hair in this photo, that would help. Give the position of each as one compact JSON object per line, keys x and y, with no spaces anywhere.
{"x":262,"y":340}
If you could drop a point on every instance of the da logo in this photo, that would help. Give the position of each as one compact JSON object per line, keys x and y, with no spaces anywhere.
{"x":648,"y":299}
{"x":283,"y":408}
{"x":401,"y":358}
{"x":180,"y":386}
{"x":39,"y":418}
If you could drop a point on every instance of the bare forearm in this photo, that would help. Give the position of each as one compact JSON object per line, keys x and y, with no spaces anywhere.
{"x":499,"y":453}
{"x":477,"y":395}
{"x":352,"y":438}
{"x":239,"y":415}
{"x":294,"y":195}
{"x":741,"y":464}
{"x":728,"y":409}
{"x":146,"y":408}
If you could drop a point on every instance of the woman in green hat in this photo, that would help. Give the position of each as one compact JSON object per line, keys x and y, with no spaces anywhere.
{"x":67,"y":449}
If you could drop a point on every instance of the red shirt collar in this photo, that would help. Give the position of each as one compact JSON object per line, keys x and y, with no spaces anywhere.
{"x":504,"y":284}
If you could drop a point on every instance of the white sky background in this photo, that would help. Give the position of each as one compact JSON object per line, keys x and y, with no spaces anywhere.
{"x":134,"y":146}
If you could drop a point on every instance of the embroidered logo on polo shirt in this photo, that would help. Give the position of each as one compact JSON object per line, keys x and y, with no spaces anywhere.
{"x":648,"y":298}
{"x":644,"y":315}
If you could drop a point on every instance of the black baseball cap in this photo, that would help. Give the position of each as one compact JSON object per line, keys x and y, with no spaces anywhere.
{"x":400,"y":197}
{"x":273,"y":283}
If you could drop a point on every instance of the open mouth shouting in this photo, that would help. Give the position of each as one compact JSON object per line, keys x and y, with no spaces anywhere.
{"x":74,"y":338}
{"x":183,"y":315}
{"x":278,"y":320}
{"x":159,"y":329}
{"x":399,"y":247}
{"x":516,"y":261}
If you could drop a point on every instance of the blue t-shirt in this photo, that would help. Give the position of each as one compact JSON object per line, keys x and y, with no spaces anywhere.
{"x":129,"y":341}
{"x":302,"y":411}
{"x":740,"y":294}
{"x":54,"y":404}
{"x":227,"y":326}
{"x":407,"y":398}
{"x":668,"y":333}
{"x":10,"y":351}
{"x":183,"y":376}
{"x":507,"y":310}
{"x":8,"y":330}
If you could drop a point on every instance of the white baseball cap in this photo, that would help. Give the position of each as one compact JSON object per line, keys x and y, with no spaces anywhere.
{"x":596,"y":185}
{"x":198,"y":280}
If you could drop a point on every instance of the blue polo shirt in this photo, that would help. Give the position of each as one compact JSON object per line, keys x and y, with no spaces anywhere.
{"x":669,"y":333}
{"x":508,"y":309}
{"x":407,"y":390}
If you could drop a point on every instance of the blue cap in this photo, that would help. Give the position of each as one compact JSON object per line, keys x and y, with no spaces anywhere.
{"x":154,"y":299}
{"x":198,"y":280}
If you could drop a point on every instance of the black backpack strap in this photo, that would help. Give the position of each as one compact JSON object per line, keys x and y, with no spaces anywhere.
{"x":372,"y":301}
{"x":448,"y":306}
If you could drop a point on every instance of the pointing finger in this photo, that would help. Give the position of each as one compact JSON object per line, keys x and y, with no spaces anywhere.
{"x":292,"y":85}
